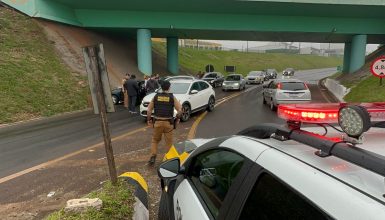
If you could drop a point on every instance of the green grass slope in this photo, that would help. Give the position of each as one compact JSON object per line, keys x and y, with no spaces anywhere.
{"x":364,"y":86}
{"x":33,"y":80}
{"x":196,"y":60}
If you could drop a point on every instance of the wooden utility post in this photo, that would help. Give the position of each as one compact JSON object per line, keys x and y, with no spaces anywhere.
{"x":93,"y":65}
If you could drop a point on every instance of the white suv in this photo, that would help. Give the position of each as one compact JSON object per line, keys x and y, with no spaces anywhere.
{"x":194,"y":95}
{"x":276,"y":172}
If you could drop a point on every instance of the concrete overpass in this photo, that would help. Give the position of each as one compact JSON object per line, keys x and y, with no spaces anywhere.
{"x":353,"y":22}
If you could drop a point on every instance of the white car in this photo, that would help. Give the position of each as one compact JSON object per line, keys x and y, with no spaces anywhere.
{"x":275,"y":172}
{"x":255,"y":77}
{"x":285,"y":91}
{"x":194,"y":95}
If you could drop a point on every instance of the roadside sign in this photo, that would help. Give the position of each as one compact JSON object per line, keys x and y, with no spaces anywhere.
{"x":102,"y":71}
{"x":209,"y":68}
{"x":101,"y":97}
{"x":378,"y":67}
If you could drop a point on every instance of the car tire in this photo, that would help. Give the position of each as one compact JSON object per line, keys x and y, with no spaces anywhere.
{"x":211,"y":104}
{"x":272,"y":106}
{"x":114,"y":99}
{"x":213,"y":85}
{"x":186,"y":112}
{"x":264,"y":100}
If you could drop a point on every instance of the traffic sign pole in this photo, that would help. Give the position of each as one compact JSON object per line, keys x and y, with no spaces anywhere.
{"x":378,"y":68}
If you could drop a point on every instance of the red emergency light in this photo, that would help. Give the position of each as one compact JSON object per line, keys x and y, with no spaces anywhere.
{"x":325,"y":112}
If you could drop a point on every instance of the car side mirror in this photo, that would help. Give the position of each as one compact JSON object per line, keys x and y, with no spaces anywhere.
{"x":193,"y":92}
{"x":169,"y":169}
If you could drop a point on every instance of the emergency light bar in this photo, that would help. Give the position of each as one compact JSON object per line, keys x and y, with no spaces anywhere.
{"x":326,"y":112}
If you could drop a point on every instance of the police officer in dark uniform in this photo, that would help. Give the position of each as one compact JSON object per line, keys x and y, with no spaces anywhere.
{"x":163,"y":105}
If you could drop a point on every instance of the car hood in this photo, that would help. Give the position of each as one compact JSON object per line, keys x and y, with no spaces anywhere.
{"x":237,"y":81}
{"x":180,"y":97}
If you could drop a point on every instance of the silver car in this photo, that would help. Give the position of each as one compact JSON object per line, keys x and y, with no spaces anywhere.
{"x":234,"y":82}
{"x":255,"y":77}
{"x":285,"y":91}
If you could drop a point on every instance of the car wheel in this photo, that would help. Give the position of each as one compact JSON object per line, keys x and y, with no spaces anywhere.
{"x":213,"y":85}
{"x":272,"y":106}
{"x":211,"y":104}
{"x":114,"y":99}
{"x":264,"y":100}
{"x":186,"y":111}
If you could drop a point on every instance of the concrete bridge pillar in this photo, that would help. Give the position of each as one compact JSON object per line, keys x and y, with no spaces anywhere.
{"x":172,"y":55}
{"x":357,"y":53}
{"x":347,"y":57}
{"x":144,"y":51}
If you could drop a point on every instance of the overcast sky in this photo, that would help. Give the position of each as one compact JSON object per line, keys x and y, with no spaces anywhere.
{"x":243,"y":44}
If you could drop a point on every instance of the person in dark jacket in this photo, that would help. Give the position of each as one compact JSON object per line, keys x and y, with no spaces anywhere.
{"x":132,"y":88}
{"x":151,"y":85}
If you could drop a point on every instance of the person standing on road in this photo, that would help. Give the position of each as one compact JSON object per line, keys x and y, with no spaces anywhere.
{"x":152,"y":85}
{"x":125,"y":95}
{"x":163,"y":122}
{"x":132,"y":88}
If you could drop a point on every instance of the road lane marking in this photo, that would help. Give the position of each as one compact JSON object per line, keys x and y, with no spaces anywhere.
{"x":194,"y":127}
{"x":48,"y":163}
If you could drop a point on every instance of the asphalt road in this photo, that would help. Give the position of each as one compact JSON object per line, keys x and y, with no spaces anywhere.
{"x":29,"y":144}
{"x":247,"y":110}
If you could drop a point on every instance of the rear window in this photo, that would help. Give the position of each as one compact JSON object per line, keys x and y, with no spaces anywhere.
{"x":211,"y":75}
{"x":293,"y":86}
{"x":233,"y":78}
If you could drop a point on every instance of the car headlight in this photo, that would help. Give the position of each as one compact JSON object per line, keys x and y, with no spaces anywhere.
{"x":212,"y":81}
{"x":236,"y":84}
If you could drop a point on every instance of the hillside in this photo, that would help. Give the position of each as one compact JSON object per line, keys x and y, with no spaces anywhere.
{"x":195,"y":60}
{"x":34,"y":81}
{"x":364,"y":86}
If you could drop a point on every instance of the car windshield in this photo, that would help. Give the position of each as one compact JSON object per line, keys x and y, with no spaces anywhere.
{"x":293,"y":86}
{"x":212,"y":75}
{"x":255,"y":73}
{"x":178,"y":88}
{"x":270,"y":70}
{"x":233,"y":78}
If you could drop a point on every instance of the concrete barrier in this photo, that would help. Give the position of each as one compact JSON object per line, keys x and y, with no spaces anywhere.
{"x":338,"y":90}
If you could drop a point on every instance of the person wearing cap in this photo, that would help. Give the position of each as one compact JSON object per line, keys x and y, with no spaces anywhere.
{"x":163,"y":105}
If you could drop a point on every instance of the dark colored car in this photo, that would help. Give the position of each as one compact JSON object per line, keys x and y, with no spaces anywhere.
{"x":288,"y":72}
{"x":266,"y":76}
{"x":272,"y":73}
{"x":118,"y":96}
{"x":214,"y":78}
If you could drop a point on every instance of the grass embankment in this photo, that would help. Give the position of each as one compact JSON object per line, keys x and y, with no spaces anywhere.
{"x":367,"y":90}
{"x":117,"y":200}
{"x":364,"y":86}
{"x":196,"y":60}
{"x":33,"y":80}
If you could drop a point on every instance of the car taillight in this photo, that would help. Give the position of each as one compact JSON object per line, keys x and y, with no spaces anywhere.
{"x":306,"y":86}
{"x":279,"y":86}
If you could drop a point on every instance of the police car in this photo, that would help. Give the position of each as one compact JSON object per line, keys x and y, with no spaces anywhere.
{"x":326,"y":163}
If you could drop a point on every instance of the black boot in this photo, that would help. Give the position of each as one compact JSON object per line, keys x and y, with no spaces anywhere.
{"x":152,"y":160}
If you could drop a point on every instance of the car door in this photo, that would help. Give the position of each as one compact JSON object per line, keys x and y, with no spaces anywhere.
{"x":212,"y":180}
{"x":206,"y":93}
{"x":268,"y":91}
{"x":195,"y":100}
{"x":266,"y":196}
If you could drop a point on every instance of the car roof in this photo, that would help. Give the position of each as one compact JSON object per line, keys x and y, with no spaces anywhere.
{"x":255,"y":71}
{"x":186,"y":80}
{"x":287,"y":80}
{"x":361,"y":179}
